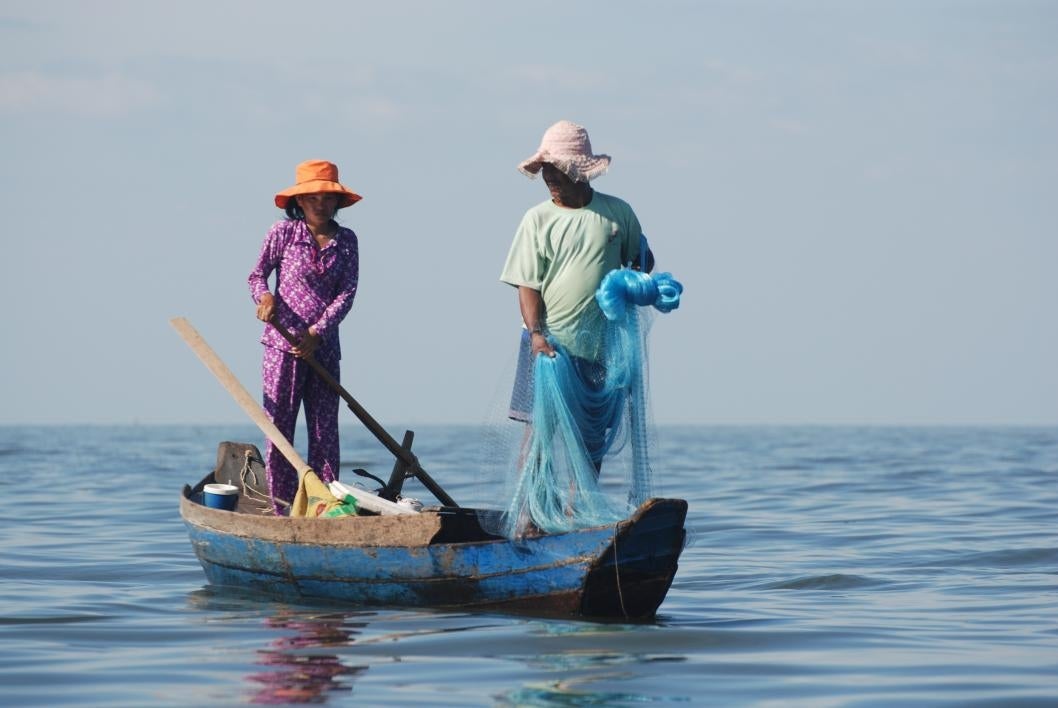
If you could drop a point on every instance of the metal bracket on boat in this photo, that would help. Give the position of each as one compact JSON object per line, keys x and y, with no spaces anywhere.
{"x":392,"y":489}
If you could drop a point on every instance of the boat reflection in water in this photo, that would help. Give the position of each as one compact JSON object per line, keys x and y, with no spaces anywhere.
{"x":298,"y":666}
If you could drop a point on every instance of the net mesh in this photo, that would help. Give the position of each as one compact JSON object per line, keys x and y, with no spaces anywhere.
{"x":584,"y":460}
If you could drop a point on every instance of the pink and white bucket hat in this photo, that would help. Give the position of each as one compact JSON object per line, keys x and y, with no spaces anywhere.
{"x":566,"y":146}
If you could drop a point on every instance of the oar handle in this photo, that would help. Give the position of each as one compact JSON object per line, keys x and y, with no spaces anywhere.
{"x":239,"y":393}
{"x":402,"y":453}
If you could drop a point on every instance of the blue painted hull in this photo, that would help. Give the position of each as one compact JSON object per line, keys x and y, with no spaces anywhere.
{"x":443,"y":559}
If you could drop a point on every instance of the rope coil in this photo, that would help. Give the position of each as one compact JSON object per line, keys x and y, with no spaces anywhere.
{"x":262,"y":502}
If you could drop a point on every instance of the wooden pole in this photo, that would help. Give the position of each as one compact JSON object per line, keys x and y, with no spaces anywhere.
{"x":404,"y":454}
{"x":239,"y":393}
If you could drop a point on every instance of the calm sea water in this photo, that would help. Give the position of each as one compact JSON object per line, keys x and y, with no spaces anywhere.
{"x":827,"y":566}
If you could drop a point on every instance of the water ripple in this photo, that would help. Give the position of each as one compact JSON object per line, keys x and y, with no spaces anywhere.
{"x":824,"y":582}
{"x":55,"y":619}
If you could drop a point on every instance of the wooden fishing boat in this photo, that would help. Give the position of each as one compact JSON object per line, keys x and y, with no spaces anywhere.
{"x":439,"y":557}
{"x":443,"y":558}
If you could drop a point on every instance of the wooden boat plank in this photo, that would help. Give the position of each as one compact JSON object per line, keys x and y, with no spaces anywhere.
{"x":406,"y":530}
{"x":406,"y":563}
{"x":387,"y":576}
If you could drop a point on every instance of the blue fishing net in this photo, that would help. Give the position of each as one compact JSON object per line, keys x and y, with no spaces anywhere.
{"x":585,"y":413}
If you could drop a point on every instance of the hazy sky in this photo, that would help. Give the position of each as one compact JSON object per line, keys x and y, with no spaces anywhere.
{"x":859,"y":198}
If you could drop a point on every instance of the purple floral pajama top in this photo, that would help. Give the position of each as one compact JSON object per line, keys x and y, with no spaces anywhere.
{"x":313,"y":286}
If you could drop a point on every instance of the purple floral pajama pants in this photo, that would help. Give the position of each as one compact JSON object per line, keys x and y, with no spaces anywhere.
{"x":289,"y":381}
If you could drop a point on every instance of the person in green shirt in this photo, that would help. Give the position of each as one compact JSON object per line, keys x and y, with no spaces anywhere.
{"x":561,"y":251}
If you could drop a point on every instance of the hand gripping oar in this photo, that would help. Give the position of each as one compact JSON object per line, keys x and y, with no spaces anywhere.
{"x":402,"y":453}
{"x":239,"y":393}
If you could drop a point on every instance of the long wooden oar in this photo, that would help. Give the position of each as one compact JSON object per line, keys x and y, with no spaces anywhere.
{"x":401,"y":452}
{"x":239,"y":393}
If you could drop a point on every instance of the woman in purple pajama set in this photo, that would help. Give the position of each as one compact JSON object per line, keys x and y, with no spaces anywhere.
{"x":317,"y":265}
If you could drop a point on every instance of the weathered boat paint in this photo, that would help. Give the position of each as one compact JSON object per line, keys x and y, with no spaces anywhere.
{"x":443,"y":559}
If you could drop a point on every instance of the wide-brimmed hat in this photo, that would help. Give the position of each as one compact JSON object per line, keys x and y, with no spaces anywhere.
{"x":566,"y":146}
{"x":314,"y":177}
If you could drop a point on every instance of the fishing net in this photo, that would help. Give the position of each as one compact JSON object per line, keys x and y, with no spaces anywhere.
{"x":584,"y":457}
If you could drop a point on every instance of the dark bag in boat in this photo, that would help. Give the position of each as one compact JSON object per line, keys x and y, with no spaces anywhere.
{"x":241,"y":464}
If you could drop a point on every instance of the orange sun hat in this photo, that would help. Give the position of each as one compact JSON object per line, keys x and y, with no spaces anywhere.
{"x":314,"y":177}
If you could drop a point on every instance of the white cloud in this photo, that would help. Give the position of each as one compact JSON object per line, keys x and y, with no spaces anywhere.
{"x":789,"y":126}
{"x":106,"y":95}
{"x":563,"y":77}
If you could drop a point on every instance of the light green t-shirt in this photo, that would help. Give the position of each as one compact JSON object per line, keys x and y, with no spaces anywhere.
{"x":565,"y":253}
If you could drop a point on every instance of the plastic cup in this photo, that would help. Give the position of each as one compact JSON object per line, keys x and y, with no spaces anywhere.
{"x":221,"y":496}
